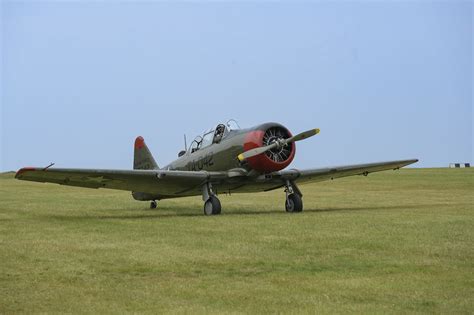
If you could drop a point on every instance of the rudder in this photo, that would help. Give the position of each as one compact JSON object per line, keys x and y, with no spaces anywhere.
{"x":142,"y":158}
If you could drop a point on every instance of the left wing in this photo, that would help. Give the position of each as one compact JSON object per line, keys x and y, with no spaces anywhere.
{"x":321,"y":174}
{"x":160,"y":182}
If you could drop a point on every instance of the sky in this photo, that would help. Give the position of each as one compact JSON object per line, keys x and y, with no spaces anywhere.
{"x":383,"y":80}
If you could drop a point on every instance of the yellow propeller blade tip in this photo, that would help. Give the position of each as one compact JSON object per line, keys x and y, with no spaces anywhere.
{"x":240,"y":157}
{"x":317,"y":130}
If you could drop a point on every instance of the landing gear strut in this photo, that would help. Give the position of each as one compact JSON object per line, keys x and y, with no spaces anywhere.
{"x":294,"y":202}
{"x":212,"y":205}
{"x":153,"y":204}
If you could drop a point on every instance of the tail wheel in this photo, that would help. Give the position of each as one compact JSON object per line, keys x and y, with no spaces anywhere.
{"x":212,"y":206}
{"x":294,"y":203}
{"x":153,"y":204}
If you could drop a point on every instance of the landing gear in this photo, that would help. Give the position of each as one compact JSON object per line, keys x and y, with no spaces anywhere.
{"x":294,"y":202}
{"x":212,"y":205}
{"x":153,"y":204}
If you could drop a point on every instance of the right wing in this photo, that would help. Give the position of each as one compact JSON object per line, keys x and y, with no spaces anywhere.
{"x":154,"y":182}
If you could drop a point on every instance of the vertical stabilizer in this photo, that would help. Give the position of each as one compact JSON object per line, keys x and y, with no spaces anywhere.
{"x":142,"y":159}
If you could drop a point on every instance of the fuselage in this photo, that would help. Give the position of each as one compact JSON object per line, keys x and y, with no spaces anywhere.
{"x":222,"y":155}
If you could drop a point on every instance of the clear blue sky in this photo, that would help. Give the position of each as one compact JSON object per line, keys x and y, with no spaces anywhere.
{"x":383,"y":80}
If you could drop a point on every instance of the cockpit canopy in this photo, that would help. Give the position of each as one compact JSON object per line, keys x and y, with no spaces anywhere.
{"x":215,"y":135}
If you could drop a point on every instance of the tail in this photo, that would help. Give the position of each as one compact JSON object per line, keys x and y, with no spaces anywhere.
{"x":142,"y":159}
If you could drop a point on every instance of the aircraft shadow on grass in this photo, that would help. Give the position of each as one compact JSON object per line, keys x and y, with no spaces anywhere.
{"x":163,"y":214}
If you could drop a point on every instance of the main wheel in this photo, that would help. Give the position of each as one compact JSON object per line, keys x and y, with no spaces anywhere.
{"x":294,"y":203}
{"x":212,"y":206}
{"x":153,"y":204}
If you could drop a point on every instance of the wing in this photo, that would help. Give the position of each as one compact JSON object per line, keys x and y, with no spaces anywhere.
{"x":169,"y":184}
{"x":155,"y":182}
{"x":321,"y":174}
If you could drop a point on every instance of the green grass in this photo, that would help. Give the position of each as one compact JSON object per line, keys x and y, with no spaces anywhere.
{"x":397,"y":242}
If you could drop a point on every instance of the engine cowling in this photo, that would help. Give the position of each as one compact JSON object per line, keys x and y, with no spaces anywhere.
{"x":275,"y":159}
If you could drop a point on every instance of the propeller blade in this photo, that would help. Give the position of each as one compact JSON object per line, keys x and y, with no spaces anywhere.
{"x":253,"y":152}
{"x":303,"y":135}
{"x":260,"y":150}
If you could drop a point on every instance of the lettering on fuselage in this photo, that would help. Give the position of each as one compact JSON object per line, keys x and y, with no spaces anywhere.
{"x":200,"y":164}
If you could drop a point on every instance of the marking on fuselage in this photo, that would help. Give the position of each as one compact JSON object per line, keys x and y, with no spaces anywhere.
{"x":200,"y":164}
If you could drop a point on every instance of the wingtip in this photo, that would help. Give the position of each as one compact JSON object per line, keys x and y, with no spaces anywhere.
{"x":316,"y":131}
{"x":23,"y":170}
{"x":411,"y":161}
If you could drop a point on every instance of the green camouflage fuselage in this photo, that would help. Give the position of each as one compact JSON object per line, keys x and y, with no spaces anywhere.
{"x":221,"y":156}
{"x":215,"y":157}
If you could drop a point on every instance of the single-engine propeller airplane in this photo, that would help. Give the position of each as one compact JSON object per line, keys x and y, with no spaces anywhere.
{"x":227,"y":159}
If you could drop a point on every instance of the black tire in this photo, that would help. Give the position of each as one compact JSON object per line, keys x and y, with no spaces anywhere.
{"x":294,"y":203}
{"x":153,"y":204}
{"x":212,"y":206}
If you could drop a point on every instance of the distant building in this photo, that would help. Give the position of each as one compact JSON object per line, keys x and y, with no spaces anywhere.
{"x":459,"y":165}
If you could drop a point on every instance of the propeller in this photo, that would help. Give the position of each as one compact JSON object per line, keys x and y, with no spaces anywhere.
{"x":278,"y":144}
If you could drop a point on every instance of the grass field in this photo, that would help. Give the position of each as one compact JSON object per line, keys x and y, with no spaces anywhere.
{"x":397,"y":242}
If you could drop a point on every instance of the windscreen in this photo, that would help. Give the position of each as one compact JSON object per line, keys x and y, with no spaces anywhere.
{"x":207,"y":139}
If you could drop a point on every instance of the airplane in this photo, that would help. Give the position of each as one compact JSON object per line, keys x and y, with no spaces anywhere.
{"x":226,"y":159}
